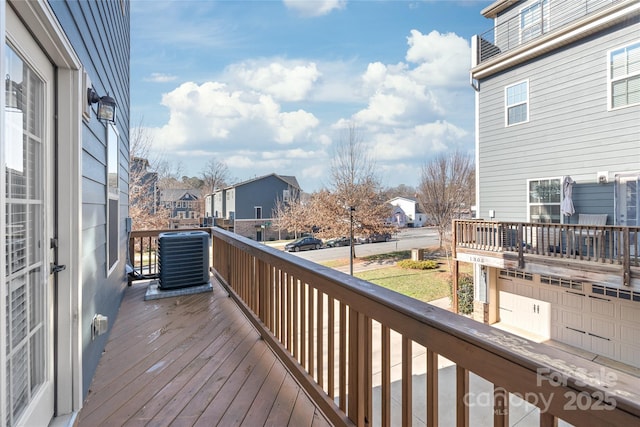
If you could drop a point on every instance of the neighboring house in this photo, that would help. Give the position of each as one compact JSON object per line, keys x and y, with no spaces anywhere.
{"x":144,"y":188}
{"x":415,"y":217}
{"x":184,"y":204}
{"x":250,"y":204}
{"x":558,"y":95}
{"x":64,"y":199}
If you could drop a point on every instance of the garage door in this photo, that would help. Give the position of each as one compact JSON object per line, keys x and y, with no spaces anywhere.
{"x":602,"y":320}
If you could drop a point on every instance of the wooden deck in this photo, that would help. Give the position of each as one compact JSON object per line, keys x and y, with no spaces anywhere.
{"x":191,"y":361}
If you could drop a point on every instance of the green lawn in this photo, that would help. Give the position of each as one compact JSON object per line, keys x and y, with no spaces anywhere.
{"x":423,"y":285}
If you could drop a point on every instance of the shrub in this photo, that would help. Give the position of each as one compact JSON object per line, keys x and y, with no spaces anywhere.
{"x":418,"y":265}
{"x":465,"y":293}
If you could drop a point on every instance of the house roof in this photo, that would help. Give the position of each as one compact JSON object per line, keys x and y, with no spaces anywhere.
{"x":180,"y":194}
{"x":290,"y":180}
{"x":408,"y":199}
{"x":496,"y":7}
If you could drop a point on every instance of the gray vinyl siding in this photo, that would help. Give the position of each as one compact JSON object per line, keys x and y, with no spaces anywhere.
{"x":263,"y":193}
{"x":99,"y":34}
{"x":570,"y":131}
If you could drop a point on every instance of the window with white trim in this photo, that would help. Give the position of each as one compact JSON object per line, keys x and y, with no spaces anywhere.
{"x":544,"y":199}
{"x":624,"y":76}
{"x":516,"y":98}
{"x":113,"y":198}
{"x":534,"y":20}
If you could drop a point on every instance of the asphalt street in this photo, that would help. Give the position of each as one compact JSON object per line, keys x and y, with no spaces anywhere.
{"x":406,"y":239}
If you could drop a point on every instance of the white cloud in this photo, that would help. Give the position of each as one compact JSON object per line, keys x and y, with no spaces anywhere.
{"x":283,"y":115}
{"x":160,"y":78}
{"x":443,"y":59}
{"x":315,"y":7}
{"x":417,"y":141}
{"x":286,"y":82}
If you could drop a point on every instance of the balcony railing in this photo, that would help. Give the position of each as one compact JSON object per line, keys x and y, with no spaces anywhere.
{"x":533,"y":21}
{"x":364,"y":353}
{"x":604,"y":245}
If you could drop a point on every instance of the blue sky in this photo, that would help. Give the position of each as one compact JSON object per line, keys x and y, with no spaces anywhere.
{"x":269,"y":86}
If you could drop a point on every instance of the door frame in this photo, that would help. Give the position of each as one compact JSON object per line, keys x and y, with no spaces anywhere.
{"x":69,"y":91}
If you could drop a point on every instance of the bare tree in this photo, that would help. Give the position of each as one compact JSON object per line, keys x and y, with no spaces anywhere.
{"x":291,"y":215}
{"x":355,"y":197}
{"x":447,"y":185}
{"x":145,"y":208}
{"x":214,"y":175}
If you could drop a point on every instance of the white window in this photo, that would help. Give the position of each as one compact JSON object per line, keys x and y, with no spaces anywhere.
{"x":258,"y":212}
{"x":286,"y":196}
{"x":516,"y":98}
{"x":624,"y":76}
{"x":534,"y":20}
{"x":113,"y":198}
{"x":544,"y":199}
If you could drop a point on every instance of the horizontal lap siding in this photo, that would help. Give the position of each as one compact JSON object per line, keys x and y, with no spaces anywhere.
{"x":570,"y":129}
{"x":99,"y":34}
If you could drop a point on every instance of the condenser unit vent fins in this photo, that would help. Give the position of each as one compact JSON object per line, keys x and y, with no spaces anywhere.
{"x":183,"y":259}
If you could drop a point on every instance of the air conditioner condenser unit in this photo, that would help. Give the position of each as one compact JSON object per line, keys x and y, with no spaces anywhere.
{"x":183,"y":258}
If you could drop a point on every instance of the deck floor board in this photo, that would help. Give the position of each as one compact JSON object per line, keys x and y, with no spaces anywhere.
{"x":187,"y":361}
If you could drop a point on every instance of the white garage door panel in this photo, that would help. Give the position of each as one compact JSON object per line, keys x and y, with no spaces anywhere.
{"x":601,"y":324}
{"x":630,"y":334}
{"x":603,"y":346}
{"x":603,"y":328}
{"x":630,"y":314}
{"x":548,"y":295}
{"x":574,"y":301}
{"x":630,"y":354}
{"x":524,"y":290}
{"x":572,"y":319}
{"x":603,"y":307}
{"x":572,"y":337}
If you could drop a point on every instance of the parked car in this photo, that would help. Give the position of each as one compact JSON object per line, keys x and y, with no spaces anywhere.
{"x":303,"y":243}
{"x":338,"y":241}
{"x":376,"y":237}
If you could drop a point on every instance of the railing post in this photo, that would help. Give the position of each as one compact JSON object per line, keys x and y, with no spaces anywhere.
{"x":520,"y":244}
{"x":626,"y":260}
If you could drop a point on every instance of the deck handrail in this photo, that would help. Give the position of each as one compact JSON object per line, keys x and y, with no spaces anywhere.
{"x":595,"y":244}
{"x":322,"y":323}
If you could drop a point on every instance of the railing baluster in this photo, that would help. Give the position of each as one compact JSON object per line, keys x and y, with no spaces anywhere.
{"x":320,"y":339}
{"x":331,"y":327}
{"x":342,"y":357}
{"x":310,"y":329}
{"x":462,"y":394}
{"x":407,"y":384}
{"x":432,"y":389}
{"x":385,"y":392}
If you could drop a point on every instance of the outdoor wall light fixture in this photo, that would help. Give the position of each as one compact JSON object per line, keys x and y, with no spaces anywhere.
{"x":106,"y":105}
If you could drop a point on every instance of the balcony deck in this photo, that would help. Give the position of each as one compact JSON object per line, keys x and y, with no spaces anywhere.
{"x":191,"y":360}
{"x":364,"y":355}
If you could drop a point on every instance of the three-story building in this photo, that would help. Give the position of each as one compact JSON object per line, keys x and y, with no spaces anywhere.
{"x":558,"y":171}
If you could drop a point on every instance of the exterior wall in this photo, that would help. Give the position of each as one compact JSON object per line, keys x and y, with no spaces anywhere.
{"x":570,"y":131}
{"x":253,"y":228}
{"x":263,"y":193}
{"x":99,"y":34}
{"x":218,"y":207}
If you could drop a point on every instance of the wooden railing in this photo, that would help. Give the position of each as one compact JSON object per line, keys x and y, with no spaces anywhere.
{"x":603,"y":245}
{"x":362,"y":352}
